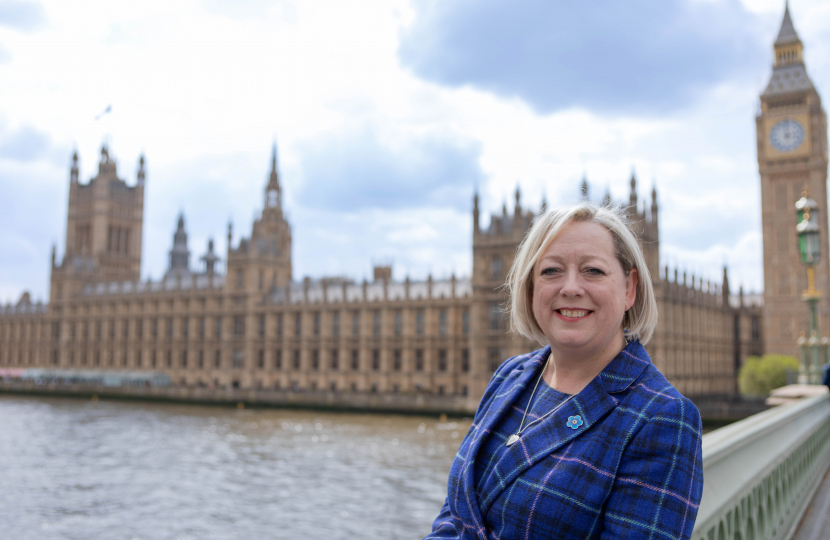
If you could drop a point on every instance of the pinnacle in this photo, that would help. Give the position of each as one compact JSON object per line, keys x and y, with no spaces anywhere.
{"x":787,"y":34}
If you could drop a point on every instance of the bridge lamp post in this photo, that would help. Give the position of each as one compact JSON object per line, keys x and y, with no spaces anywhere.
{"x":814,"y":348}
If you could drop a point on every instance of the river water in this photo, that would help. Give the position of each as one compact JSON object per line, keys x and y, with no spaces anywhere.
{"x":73,"y":469}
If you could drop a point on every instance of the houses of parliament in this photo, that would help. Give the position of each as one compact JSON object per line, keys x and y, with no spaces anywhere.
{"x":257,"y":327}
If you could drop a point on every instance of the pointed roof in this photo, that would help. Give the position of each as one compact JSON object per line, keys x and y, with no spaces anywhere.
{"x":273,"y":179}
{"x":274,"y":157}
{"x":787,"y":33}
{"x":788,"y":74}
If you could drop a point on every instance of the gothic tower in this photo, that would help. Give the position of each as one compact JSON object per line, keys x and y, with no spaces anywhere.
{"x":103,"y":229}
{"x":494,"y":248}
{"x":180,"y":254}
{"x":263,"y":261}
{"x":792,"y":155}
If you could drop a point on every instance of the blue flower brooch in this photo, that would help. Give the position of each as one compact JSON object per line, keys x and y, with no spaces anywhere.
{"x":574,"y":421}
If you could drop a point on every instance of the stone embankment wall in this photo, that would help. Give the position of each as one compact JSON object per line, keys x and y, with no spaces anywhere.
{"x":357,"y":402}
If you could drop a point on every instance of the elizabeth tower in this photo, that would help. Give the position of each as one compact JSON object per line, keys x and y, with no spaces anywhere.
{"x":792,"y":157}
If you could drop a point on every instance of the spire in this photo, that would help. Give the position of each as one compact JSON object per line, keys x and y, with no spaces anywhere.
{"x":788,"y":74}
{"x":274,"y":158}
{"x":633,"y":197}
{"x":73,"y":172}
{"x":210,"y":258}
{"x":517,"y":211}
{"x":725,"y":287}
{"x":179,"y":255}
{"x":584,"y":187}
{"x":544,"y":207}
{"x":273,"y":192}
{"x":787,"y":33}
{"x":654,"y":204}
{"x":607,"y":200}
{"x":141,"y":172}
{"x":475,"y":213}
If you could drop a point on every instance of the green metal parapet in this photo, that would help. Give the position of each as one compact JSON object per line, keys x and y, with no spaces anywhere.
{"x":760,"y":474}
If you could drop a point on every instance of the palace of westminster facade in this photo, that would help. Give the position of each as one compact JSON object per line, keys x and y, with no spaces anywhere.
{"x":256,"y":327}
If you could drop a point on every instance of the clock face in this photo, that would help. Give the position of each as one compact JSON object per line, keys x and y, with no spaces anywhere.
{"x":787,"y":135}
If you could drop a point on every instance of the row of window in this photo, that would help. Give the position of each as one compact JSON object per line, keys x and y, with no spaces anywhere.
{"x":165,"y":326}
{"x":151,"y":359}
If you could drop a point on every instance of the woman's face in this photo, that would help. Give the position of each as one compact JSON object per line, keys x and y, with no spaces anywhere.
{"x":581,"y":293}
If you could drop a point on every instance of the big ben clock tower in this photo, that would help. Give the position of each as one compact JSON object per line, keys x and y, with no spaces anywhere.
{"x":792,"y":156}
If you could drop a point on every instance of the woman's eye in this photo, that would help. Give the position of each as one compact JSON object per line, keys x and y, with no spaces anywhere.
{"x":550,"y":271}
{"x":595,"y":271}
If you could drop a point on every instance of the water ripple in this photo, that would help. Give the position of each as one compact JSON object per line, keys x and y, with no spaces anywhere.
{"x":140,"y":471}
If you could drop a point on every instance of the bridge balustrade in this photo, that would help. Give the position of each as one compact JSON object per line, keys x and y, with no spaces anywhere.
{"x":760,"y":473}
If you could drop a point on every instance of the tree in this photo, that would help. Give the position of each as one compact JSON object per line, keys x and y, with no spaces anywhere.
{"x":760,"y":375}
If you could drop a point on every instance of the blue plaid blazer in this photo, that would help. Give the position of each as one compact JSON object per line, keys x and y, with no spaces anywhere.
{"x":633,"y":469}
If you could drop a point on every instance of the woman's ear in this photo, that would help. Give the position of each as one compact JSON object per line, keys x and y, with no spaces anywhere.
{"x":631,"y":283}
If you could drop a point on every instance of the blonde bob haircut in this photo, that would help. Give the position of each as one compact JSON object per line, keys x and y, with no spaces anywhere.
{"x":638,"y":322}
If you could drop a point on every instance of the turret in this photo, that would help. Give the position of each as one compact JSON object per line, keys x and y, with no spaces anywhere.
{"x":654,"y":205}
{"x":584,"y":188}
{"x":725,"y":287}
{"x":106,"y":167}
{"x":141,"y":172}
{"x":179,"y":255}
{"x":476,"y":222}
{"x":73,"y":172}
{"x":632,"y":199}
{"x":210,"y":259}
{"x":517,"y":210}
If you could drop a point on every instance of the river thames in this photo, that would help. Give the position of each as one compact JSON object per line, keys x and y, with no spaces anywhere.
{"x":73,"y":469}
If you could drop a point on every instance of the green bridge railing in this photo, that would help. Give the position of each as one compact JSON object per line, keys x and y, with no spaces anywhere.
{"x":760,"y":474}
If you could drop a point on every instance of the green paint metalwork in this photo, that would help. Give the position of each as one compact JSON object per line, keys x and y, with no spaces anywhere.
{"x":759,"y":474}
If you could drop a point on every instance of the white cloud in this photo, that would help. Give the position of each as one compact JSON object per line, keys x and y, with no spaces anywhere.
{"x":202,"y":89}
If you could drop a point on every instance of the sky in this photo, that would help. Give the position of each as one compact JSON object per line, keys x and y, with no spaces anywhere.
{"x":388,"y":115}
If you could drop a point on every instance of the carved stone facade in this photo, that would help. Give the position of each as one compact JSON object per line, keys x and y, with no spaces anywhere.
{"x":254,"y":327}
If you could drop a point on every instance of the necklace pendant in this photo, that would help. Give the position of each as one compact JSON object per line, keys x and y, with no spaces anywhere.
{"x":512,"y":439}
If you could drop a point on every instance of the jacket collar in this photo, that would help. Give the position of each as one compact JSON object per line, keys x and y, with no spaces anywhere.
{"x":625,"y":368}
{"x":591,"y":404}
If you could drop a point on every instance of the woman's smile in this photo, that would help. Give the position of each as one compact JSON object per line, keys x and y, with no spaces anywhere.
{"x":572,"y":314}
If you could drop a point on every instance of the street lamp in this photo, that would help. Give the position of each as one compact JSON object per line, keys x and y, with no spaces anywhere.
{"x":809,"y":246}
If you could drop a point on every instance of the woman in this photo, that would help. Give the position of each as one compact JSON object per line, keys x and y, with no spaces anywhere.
{"x":584,"y":438}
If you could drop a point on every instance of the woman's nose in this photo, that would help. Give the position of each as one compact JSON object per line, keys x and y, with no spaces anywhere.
{"x":572,"y":285}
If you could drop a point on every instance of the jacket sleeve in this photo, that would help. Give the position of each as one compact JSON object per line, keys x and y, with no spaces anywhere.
{"x":659,"y":481}
{"x":444,"y":525}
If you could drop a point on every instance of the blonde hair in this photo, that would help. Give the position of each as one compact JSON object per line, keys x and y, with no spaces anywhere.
{"x":639,"y":321}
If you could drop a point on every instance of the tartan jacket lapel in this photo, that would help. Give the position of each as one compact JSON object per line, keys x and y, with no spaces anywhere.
{"x":509,"y":391}
{"x":552,"y":433}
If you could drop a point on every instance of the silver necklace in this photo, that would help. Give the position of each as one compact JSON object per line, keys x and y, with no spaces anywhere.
{"x":515,"y":437}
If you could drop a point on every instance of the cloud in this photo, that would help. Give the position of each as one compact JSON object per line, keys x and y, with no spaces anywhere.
{"x":5,"y":55}
{"x":25,"y":144}
{"x":250,"y":9}
{"x":356,"y":169}
{"x":25,"y":16}
{"x":637,"y":57}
